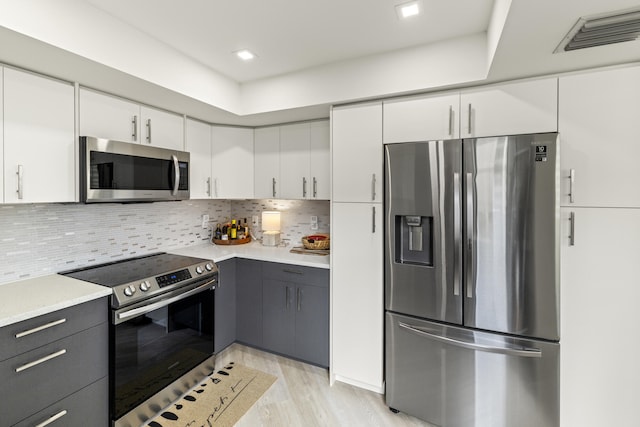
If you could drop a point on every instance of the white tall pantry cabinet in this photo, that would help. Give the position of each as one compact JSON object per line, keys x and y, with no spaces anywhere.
{"x":357,"y":292}
{"x":600,"y":217}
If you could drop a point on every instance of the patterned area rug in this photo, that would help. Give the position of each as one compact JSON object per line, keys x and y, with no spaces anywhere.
{"x":220,"y":400}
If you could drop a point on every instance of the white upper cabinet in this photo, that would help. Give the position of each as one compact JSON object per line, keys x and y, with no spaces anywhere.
{"x":421,"y":118}
{"x":39,"y":139}
{"x":232,"y":165}
{"x":105,"y":116}
{"x":267,"y":163}
{"x":510,"y":109}
{"x":1,"y":137}
{"x":294,"y":161}
{"x":357,"y":153}
{"x":319,"y":170}
{"x":599,"y":138}
{"x":162,"y":129}
{"x":198,"y":144}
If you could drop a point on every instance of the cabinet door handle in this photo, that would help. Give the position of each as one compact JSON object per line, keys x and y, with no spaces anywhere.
{"x":315,"y":187}
{"x":52,"y":418}
{"x":299,"y":298}
{"x":304,"y":186}
{"x":373,"y":219}
{"x":40,"y":328}
{"x":572,"y":229}
{"x":149,"y":131}
{"x":572,"y":178}
{"x":273,"y":187}
{"x":20,"y":174}
{"x":469,"y":119}
{"x":209,"y":186}
{"x":42,"y":360}
{"x":134,"y":123}
{"x":287,"y":270}
{"x":286,"y":297}
{"x":450,"y":120}
{"x":373,"y":187}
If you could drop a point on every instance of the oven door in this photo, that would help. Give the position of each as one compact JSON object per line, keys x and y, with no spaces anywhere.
{"x":156,"y":342}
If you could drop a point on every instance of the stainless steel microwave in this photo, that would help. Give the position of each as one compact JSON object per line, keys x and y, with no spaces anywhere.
{"x":114,"y":171}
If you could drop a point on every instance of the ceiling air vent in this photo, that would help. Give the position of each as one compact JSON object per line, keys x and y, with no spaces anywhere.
{"x":600,"y":30}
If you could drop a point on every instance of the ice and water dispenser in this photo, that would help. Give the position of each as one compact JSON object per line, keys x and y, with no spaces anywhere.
{"x":414,"y":244}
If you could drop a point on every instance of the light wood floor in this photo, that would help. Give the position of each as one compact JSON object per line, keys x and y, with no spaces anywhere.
{"x":302,"y":396}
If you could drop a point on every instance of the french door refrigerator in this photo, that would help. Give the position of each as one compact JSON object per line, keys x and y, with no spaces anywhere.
{"x":472,"y":280}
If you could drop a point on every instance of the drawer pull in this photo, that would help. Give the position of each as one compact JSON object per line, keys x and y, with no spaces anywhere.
{"x":39,"y":361}
{"x":40,"y":328}
{"x":52,"y":419}
{"x":286,"y":270}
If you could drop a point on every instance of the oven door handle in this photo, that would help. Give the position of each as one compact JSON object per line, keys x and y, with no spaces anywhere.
{"x":163,"y":303}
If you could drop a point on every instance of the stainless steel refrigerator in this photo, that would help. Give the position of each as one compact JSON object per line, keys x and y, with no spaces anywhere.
{"x":472,"y":280}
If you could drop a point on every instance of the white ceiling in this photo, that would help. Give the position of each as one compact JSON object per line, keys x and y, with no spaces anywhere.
{"x":311,"y":53}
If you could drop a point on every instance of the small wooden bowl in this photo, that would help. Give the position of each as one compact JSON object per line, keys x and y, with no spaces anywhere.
{"x":310,"y":243}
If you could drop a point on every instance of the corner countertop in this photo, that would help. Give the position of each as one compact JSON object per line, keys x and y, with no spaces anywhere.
{"x":30,"y":298}
{"x":253,"y":250}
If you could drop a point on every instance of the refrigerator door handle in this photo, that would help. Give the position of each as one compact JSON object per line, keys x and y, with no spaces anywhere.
{"x":470,"y":217}
{"x":508,"y":351}
{"x":457,"y":234}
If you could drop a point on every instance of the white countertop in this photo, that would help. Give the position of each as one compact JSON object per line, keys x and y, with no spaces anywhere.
{"x":30,"y":298}
{"x":253,"y":250}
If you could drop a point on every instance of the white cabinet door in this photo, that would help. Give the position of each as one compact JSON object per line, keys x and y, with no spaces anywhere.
{"x":599,"y":318}
{"x":357,"y":294}
{"x":1,"y":136}
{"x":599,"y":138}
{"x":267,"y":162}
{"x":510,"y":109}
{"x":198,"y":144}
{"x":320,"y":159}
{"x":232,"y":165}
{"x":357,"y":153}
{"x":162,"y":129}
{"x":104,"y":116}
{"x":39,"y":139}
{"x":421,"y":118}
{"x":294,"y":161}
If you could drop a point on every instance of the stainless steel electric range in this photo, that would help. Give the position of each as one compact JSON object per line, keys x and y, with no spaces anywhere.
{"x":161,"y":330}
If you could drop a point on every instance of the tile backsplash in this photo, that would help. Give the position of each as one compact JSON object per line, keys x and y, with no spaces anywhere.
{"x":40,"y":239}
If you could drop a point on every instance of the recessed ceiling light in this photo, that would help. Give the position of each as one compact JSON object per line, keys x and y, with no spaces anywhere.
{"x":245,"y":54}
{"x":406,"y":10}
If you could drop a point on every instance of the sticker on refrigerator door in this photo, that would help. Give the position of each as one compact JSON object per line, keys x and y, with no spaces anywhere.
{"x":541,"y":153}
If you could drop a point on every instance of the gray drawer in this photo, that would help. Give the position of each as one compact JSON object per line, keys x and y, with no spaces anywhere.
{"x":86,"y":407}
{"x":84,"y":361}
{"x":296,"y":274}
{"x":50,"y":327}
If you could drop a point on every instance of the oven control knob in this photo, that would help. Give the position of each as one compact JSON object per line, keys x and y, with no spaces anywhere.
{"x":209,"y":266}
{"x":129,"y":290}
{"x":144,"y":286}
{"x":199,"y":269}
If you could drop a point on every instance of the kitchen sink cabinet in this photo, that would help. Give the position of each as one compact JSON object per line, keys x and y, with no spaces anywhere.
{"x":110,"y":117}
{"x":249,"y":302}
{"x":421,"y":118}
{"x":39,"y":139}
{"x":225,"y":306}
{"x":357,"y":153}
{"x":232,"y":162}
{"x":51,"y":361}
{"x":510,"y":109}
{"x":599,"y":138}
{"x":267,"y":163}
{"x":296,"y":312}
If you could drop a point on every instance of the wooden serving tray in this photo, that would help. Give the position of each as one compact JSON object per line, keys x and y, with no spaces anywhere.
{"x":232,"y":242}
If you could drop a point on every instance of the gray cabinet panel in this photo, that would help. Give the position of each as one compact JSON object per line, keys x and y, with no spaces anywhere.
{"x":225,"y":306}
{"x":296,"y":274}
{"x":52,"y":327}
{"x":249,"y":302}
{"x":278,"y":316}
{"x":312,"y":324}
{"x":86,"y":407}
{"x":84,"y":361}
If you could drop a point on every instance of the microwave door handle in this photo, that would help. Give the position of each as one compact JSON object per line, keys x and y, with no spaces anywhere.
{"x":176,"y":168}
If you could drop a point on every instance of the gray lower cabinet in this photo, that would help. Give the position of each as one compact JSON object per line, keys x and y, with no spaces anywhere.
{"x":295,"y":312}
{"x":51,"y":361}
{"x":225,"y":306}
{"x":249,"y":302}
